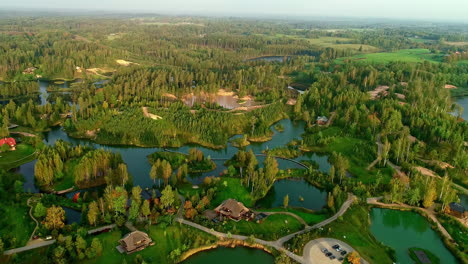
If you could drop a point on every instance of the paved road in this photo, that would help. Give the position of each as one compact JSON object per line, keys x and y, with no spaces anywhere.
{"x":278,"y":244}
{"x":35,"y":245}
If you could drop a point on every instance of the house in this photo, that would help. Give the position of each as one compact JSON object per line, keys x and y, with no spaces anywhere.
{"x":322,"y":120}
{"x":457,"y":210}
{"x":29,"y":70}
{"x":8,"y":141}
{"x":235,"y":210}
{"x":134,"y":241}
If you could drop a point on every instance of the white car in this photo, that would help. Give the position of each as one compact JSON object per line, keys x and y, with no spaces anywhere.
{"x":48,"y":238}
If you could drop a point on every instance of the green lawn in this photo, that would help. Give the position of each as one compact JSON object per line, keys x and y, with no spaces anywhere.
{"x":167,"y":239}
{"x":68,"y":178}
{"x":271,"y":228}
{"x":15,"y":224}
{"x":405,"y":55}
{"x":308,"y":217}
{"x":232,"y":188}
{"x":21,"y":155}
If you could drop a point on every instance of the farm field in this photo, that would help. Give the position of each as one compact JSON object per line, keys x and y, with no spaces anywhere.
{"x":405,"y":55}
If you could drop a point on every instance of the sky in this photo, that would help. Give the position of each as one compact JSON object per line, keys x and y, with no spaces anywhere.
{"x":436,"y":10}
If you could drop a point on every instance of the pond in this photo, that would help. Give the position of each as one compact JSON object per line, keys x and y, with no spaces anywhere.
{"x":235,"y":255}
{"x":401,"y":230}
{"x":139,"y":167}
{"x":313,"y":198}
{"x":72,"y":216}
{"x":463,"y":101}
{"x":271,"y":58}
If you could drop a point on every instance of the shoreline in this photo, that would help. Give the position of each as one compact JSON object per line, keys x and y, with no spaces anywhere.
{"x":232,"y":243}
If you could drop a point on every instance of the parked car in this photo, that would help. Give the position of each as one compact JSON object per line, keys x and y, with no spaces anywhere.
{"x":332,"y":257}
{"x":343,"y":252}
{"x":48,"y":238}
{"x":338,"y":249}
{"x":328,"y":254}
{"x":341,"y":259}
{"x":324,"y":250}
{"x":336,"y":246}
{"x":35,"y":237}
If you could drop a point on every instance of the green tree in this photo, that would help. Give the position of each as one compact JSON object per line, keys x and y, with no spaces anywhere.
{"x":55,"y":218}
{"x":286,"y":201}
{"x":145,"y":209}
{"x":97,"y":246}
{"x":167,"y":197}
{"x":40,"y":210}
{"x":93,"y":213}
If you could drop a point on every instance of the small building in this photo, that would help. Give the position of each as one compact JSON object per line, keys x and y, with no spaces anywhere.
{"x":322,"y":120}
{"x":235,"y":210}
{"x":29,"y":70}
{"x":11,"y":142}
{"x":134,"y":241}
{"x":457,"y":210}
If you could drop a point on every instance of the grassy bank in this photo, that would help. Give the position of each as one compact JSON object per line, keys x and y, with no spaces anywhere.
{"x":23,"y":154}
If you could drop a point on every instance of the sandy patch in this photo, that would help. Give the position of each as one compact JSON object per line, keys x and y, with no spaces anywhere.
{"x":400,"y":96}
{"x":125,"y":63}
{"x":148,"y":114}
{"x":170,"y":96}
{"x":379,"y":91}
{"x":449,"y":86}
{"x":425,"y":171}
{"x":291,"y":101}
{"x":223,"y":92}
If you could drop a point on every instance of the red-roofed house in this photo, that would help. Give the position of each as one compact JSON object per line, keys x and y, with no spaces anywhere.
{"x":9,"y":141}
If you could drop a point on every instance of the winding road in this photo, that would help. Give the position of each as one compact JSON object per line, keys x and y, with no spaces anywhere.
{"x":277,"y":244}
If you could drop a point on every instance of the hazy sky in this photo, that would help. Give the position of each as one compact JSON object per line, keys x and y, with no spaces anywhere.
{"x":415,"y":9}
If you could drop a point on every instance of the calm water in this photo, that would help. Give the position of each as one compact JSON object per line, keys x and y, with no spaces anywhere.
{"x":402,"y":230}
{"x":463,"y":101}
{"x":314,"y":199}
{"x":139,"y":167}
{"x":72,"y":216}
{"x":270,"y":58}
{"x":238,"y":255}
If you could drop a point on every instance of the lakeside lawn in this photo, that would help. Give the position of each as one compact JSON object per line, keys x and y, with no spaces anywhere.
{"x":309,"y":217}
{"x":271,"y":228}
{"x":231,"y":188}
{"x":22,"y":154}
{"x":404,"y":55}
{"x":166,"y":239}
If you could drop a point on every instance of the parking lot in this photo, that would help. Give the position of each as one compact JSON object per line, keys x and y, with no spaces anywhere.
{"x":314,"y":250}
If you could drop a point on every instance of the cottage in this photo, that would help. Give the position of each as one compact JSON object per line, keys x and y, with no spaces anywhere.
{"x":134,"y":241}
{"x":11,"y":142}
{"x":457,"y":210}
{"x":234,"y":210}
{"x":29,"y":70}
{"x":322,"y":120}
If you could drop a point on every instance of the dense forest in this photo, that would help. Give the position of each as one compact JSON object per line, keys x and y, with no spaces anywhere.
{"x":386,"y":92}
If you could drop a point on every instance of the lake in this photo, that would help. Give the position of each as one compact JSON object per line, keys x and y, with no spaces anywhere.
{"x":235,"y":255}
{"x":314,"y":198}
{"x":139,"y":167}
{"x":463,"y":101}
{"x":402,"y":230}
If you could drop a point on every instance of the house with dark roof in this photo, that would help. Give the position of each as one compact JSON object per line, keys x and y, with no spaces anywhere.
{"x":235,"y":210}
{"x":11,"y":142}
{"x":134,"y":241}
{"x":457,"y":210}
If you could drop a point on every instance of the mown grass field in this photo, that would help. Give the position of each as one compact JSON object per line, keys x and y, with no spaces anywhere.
{"x":232,"y":188}
{"x":309,"y":217}
{"x":12,"y":159}
{"x":405,"y":55}
{"x":15,"y":223}
{"x":166,"y":240}
{"x":271,"y":228}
